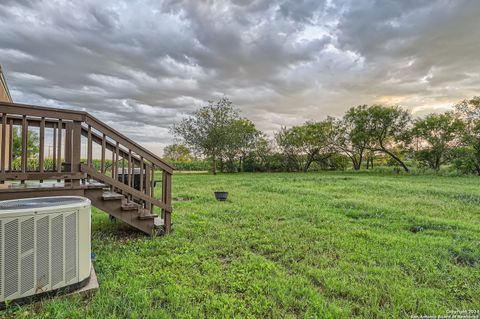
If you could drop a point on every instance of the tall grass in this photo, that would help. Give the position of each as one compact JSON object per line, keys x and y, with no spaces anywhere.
{"x":291,"y":245}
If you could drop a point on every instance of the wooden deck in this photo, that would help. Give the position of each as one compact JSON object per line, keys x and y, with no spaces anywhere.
{"x":66,"y":173}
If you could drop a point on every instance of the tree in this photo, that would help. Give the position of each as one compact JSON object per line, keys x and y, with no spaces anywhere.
{"x":316,"y":141}
{"x":438,"y":135}
{"x":241,"y":141}
{"x":177,"y":153}
{"x":32,"y":144}
{"x":307,"y":143}
{"x":369,"y":157}
{"x":288,"y":147}
{"x":262,"y":152}
{"x":387,"y":129}
{"x":351,"y":135}
{"x":469,"y":112}
{"x":207,"y":130}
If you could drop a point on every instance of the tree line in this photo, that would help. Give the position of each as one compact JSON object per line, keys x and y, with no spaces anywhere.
{"x":364,"y":135}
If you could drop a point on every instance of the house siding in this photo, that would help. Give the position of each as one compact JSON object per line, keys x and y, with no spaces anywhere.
{"x":4,"y":97}
{"x":4,"y":93}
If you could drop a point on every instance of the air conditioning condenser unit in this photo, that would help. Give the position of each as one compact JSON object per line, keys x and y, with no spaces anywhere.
{"x":44,"y":247}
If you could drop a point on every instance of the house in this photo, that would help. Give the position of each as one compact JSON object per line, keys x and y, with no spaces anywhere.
{"x":4,"y":93}
{"x":4,"y":97}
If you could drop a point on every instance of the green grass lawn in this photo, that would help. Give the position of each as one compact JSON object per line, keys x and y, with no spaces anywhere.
{"x":316,"y":245}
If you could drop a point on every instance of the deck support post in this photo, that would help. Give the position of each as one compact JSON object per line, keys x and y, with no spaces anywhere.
{"x":73,"y":137}
{"x":167,"y":200}
{"x":76,"y":150}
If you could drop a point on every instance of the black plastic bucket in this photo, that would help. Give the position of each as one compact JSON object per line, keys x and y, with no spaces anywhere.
{"x":221,"y":196}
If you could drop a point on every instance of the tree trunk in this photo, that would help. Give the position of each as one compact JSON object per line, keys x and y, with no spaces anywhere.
{"x":307,"y":164}
{"x":214,"y":165}
{"x":360,"y":159}
{"x":354,"y":160}
{"x":398,"y":160}
{"x":310,"y":160}
{"x":437,"y":163}
{"x":242,"y":163}
{"x":356,"y":165}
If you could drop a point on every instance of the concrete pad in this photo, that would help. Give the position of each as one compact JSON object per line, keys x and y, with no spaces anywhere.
{"x":90,"y":288}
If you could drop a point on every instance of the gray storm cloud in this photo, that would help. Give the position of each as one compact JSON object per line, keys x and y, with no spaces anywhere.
{"x":142,"y":65}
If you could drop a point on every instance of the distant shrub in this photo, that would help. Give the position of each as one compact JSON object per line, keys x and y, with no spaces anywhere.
{"x":199,"y":165}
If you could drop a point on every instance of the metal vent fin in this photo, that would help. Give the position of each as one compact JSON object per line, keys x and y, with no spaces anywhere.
{"x":27,"y":279}
{"x":70,"y":247}
{"x":11,"y":258}
{"x":57,"y":249}
{"x":27,"y":274}
{"x":26,"y":231}
{"x":43,"y":252}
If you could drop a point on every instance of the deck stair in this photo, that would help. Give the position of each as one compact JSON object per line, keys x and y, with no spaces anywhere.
{"x":124,"y":186}
{"x":112,"y":196}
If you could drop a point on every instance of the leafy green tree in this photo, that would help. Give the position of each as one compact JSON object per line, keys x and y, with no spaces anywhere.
{"x":302,"y":145}
{"x":285,"y":141}
{"x":262,"y":153}
{"x":388,"y":129}
{"x":242,"y":136}
{"x":437,"y":136}
{"x":177,"y":153}
{"x":469,"y":112}
{"x":32,"y":143}
{"x":351,"y":134}
{"x":207,"y":130}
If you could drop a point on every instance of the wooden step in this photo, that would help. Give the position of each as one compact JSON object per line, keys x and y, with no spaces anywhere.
{"x":147,"y":217}
{"x":145,"y":214}
{"x":112,"y":196}
{"x":129,"y":206}
{"x":94,"y":185}
{"x":158,"y":222}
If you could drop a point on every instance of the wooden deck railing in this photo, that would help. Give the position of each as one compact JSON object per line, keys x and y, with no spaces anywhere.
{"x":66,"y":133}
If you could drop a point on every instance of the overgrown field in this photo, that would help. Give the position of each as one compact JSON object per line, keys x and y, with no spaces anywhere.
{"x":315,"y":245}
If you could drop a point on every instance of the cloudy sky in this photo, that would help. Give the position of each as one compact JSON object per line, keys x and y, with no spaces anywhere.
{"x":142,"y":65}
